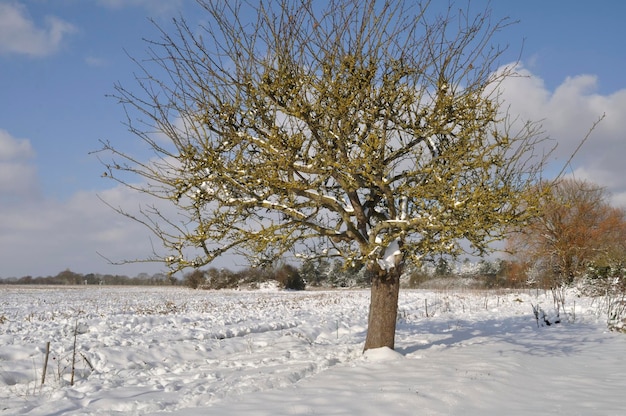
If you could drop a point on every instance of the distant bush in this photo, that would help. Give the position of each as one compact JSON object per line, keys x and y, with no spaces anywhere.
{"x":602,"y":280}
{"x":221,"y":279}
{"x":414,"y":278}
{"x":609,"y":282}
{"x":194,"y":279}
{"x":289,"y":278}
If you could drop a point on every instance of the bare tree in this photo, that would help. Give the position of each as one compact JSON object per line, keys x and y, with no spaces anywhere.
{"x":369,"y":130}
{"x":576,"y":225}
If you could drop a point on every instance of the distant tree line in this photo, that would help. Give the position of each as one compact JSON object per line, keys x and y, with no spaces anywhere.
{"x":334,"y":273}
{"x":68,"y":277}
{"x":314,"y":273}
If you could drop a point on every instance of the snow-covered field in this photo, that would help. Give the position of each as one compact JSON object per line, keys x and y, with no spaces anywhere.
{"x":148,"y":350}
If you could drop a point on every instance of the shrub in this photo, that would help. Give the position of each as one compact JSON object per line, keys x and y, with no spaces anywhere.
{"x":609,"y":282}
{"x":195,"y":279}
{"x":604,"y":280}
{"x":289,"y":278}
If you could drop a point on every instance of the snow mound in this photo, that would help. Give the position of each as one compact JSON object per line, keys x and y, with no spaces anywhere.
{"x":269,"y":286}
{"x":382,"y":354}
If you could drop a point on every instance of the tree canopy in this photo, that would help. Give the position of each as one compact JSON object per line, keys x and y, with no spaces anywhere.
{"x":335,"y":131}
{"x":369,"y":130}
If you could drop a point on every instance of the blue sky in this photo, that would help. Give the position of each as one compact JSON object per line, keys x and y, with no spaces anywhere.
{"x":59,"y":60}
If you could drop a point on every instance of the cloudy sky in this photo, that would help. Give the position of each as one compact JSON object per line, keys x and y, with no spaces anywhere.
{"x":59,"y":60}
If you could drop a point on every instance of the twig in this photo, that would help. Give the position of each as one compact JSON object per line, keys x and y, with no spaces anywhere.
{"x":74,"y":353}
{"x":536,"y":313}
{"x":87,"y":361}
{"x":593,"y":127}
{"x":45,"y":363}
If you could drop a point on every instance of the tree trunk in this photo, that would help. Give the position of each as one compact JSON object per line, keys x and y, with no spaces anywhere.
{"x":381,"y":328}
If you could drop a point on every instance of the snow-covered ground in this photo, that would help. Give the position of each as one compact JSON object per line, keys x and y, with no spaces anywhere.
{"x":147,"y":350}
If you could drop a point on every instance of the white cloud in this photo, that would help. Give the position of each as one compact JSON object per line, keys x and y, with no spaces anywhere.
{"x":158,"y":7}
{"x":95,"y":61}
{"x":41,"y":236}
{"x":50,"y":236}
{"x":18,"y":176}
{"x":12,"y":148}
{"x":20,"y":35}
{"x":567,"y":114}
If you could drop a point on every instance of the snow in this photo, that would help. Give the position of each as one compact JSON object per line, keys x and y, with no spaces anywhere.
{"x":175,"y":351}
{"x":391,"y":256}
